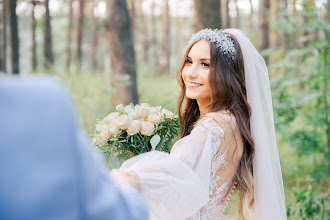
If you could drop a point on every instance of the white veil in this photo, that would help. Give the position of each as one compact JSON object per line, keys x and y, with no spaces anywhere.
{"x":269,"y":200}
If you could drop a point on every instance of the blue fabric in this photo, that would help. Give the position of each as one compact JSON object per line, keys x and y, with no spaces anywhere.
{"x":48,"y":170}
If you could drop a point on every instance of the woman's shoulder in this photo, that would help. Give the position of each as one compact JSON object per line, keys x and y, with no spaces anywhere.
{"x":216,"y":121}
{"x":223,"y":118}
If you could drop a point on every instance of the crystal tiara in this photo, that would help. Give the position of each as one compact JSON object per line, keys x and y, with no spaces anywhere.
{"x":220,"y":39}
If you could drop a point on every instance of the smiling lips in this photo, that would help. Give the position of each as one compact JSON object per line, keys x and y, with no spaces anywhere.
{"x":193,"y":85}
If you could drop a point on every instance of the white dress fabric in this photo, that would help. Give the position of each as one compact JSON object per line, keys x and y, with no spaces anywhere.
{"x":196,"y":180}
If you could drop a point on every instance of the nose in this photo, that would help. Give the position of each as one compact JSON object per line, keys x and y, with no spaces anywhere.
{"x":192,"y":72}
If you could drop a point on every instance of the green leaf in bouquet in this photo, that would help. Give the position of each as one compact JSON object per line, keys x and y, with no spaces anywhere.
{"x":167,"y":120}
{"x":114,"y":162}
{"x":160,"y":144}
{"x":154,"y":141}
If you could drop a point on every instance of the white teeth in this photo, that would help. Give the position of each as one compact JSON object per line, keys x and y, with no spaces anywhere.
{"x":193,"y":84}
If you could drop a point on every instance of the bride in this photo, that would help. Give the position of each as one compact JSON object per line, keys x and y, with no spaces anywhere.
{"x":226,"y":141}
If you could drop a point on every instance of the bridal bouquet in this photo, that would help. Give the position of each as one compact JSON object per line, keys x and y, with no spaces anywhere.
{"x":135,"y":129}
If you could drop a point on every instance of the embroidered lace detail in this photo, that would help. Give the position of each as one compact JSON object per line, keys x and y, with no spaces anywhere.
{"x":216,"y":132}
{"x":219,"y":190}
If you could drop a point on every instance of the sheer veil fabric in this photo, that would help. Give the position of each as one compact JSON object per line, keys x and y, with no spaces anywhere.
{"x":269,"y":200}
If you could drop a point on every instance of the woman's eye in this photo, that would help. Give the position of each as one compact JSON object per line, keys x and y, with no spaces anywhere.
{"x":205,"y":64}
{"x":188,"y":61}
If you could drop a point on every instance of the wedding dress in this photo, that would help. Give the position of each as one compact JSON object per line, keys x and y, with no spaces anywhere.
{"x":199,"y":171}
{"x":195,"y":181}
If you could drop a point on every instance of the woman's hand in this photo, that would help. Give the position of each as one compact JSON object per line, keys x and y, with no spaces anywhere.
{"x":129,"y":177}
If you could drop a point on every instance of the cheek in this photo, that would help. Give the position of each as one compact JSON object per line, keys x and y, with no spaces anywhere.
{"x":204,"y":76}
{"x":183,"y":73}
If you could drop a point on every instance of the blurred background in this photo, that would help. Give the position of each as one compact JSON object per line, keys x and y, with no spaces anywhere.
{"x":115,"y":51}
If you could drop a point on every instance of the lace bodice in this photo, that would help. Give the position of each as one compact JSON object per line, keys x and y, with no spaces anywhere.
{"x":196,"y":179}
{"x":222,"y":183}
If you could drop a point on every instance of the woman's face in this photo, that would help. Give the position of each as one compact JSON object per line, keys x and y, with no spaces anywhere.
{"x":195,"y":73}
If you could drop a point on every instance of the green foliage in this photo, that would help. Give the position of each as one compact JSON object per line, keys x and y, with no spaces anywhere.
{"x":308,"y":204}
{"x":300,"y":83}
{"x":91,"y":93}
{"x":169,"y":133}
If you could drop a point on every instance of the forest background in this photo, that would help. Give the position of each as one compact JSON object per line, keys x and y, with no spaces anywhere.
{"x":116,"y":51}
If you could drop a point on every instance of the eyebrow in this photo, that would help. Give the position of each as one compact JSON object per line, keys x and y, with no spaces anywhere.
{"x":202,"y":59}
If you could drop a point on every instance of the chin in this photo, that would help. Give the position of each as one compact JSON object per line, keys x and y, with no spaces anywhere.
{"x":191,"y":96}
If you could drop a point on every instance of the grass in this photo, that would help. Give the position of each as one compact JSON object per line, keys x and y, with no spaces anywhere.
{"x":92,"y":93}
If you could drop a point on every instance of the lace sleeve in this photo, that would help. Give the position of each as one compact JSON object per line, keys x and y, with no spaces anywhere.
{"x":226,"y":153}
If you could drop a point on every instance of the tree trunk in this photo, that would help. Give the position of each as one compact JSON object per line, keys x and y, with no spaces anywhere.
{"x":305,"y":32}
{"x":228,"y":24}
{"x":48,"y":45}
{"x":293,"y":35}
{"x":95,"y":41}
{"x":278,"y":36}
{"x":33,"y":27}
{"x":69,"y":37}
{"x":14,"y":41}
{"x":143,"y":33}
{"x":118,"y":32}
{"x":224,"y":13}
{"x":237,"y":19}
{"x":154,"y":40}
{"x":274,"y":38}
{"x":206,"y":14}
{"x":131,"y":11}
{"x":251,"y":18}
{"x":325,"y":93}
{"x":80,"y":32}
{"x":179,"y":36}
{"x":165,"y":54}
{"x":286,"y":40}
{"x":307,"y":42}
{"x":263,"y":38}
{"x":4,"y":37}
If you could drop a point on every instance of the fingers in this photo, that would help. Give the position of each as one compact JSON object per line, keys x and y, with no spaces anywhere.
{"x":129,"y":177}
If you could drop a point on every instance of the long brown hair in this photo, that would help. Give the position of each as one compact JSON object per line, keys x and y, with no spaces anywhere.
{"x":228,"y":92}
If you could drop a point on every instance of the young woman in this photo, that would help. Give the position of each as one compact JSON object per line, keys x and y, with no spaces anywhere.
{"x":226,"y":141}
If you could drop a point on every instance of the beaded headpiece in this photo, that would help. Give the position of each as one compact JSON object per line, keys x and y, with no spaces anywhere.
{"x":220,"y":39}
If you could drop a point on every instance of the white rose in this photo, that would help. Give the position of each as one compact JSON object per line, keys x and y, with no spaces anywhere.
{"x":155,"y":109}
{"x":98,"y":140}
{"x":113,"y":128}
{"x":103,"y":136}
{"x":133,"y":115}
{"x":134,"y":127}
{"x":111,"y":117}
{"x":153,"y":118}
{"x":105,"y":133}
{"x":120,"y":108}
{"x":137,"y":107}
{"x":147,"y":128}
{"x":144,"y":111}
{"x":123,"y":122}
{"x":98,"y":127}
{"x":145,"y":104}
{"x":168,"y":114}
{"x":141,"y":119}
{"x":128,"y":109}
